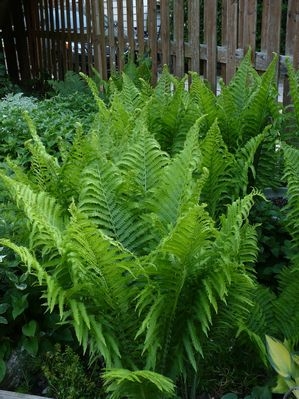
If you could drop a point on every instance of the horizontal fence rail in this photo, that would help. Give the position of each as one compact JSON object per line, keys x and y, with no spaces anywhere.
{"x":46,"y":38}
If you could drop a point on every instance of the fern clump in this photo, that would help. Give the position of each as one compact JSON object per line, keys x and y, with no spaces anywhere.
{"x":140,"y":233}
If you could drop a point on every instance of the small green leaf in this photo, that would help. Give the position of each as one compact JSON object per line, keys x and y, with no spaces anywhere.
{"x":3,"y":320}
{"x":19,"y":304}
{"x":29,"y":329}
{"x":21,"y":286}
{"x":2,"y":369}
{"x":279,"y":357}
{"x":30,"y":344}
{"x":3,"y":307}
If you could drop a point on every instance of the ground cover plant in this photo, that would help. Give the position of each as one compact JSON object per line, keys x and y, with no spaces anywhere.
{"x":140,"y":235}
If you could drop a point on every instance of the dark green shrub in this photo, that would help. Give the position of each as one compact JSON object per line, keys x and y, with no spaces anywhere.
{"x":66,"y":376}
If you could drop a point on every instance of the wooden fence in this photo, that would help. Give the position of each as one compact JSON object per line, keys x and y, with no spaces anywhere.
{"x":45,"y":38}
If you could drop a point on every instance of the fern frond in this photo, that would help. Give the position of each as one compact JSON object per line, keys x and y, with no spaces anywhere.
{"x":101,"y":199}
{"x":143,"y":162}
{"x":175,"y":190}
{"x":291,"y":175}
{"x":46,"y":216}
{"x":233,"y":99}
{"x":256,"y":114}
{"x":246,"y":157}
{"x":191,"y":233}
{"x":103,"y":112}
{"x":236,"y":237}
{"x":165,"y":110}
{"x":130,"y":94}
{"x":242,"y":84}
{"x":79,"y":154}
{"x":44,"y":167}
{"x":293,"y":81}
{"x":261,"y":319}
{"x":217,"y":159}
{"x":137,"y":384}
{"x":268,"y":162}
{"x":34,"y":267}
{"x":201,"y":95}
{"x":286,"y":311}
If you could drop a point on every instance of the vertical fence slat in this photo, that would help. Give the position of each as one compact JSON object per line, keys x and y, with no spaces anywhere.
{"x":210,"y":37}
{"x":140,"y":27}
{"x":165,"y":32}
{"x":296,"y":39}
{"x":98,"y":38}
{"x":152,"y":34}
{"x":292,"y":31}
{"x":179,"y":37}
{"x":82,"y":36}
{"x":89,"y":34}
{"x":52,"y":43}
{"x":68,"y":30}
{"x":248,"y":26}
{"x":231,"y":43}
{"x":271,"y":22}
{"x":32,"y":42}
{"x":111,"y":37}
{"x":130,"y":28}
{"x":194,"y":34}
{"x":121,"y":34}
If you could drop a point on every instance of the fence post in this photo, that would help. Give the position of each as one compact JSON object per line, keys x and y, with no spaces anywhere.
{"x":194,"y":34}
{"x":210,"y":37}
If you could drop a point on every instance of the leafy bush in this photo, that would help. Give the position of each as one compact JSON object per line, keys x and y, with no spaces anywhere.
{"x":66,"y":376}
{"x":55,"y":120}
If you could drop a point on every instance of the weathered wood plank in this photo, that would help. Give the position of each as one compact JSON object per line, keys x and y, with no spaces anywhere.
{"x":165,"y":32}
{"x":16,"y":395}
{"x":194,"y":33}
{"x":248,"y":26}
{"x":140,"y":26}
{"x":130,"y":28}
{"x":231,"y":38}
{"x":152,"y":37}
{"x":178,"y":12}
{"x":121,"y":37}
{"x":210,"y":30}
{"x":271,"y":23}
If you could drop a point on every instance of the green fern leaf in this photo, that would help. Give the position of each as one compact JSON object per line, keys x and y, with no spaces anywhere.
{"x":256,"y":114}
{"x":101,"y":200}
{"x":137,"y":384}
{"x":143,"y":163}
{"x":175,"y":190}
{"x":217,"y":159}
{"x":44,"y":213}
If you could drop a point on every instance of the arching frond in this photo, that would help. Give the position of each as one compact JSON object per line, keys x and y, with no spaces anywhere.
{"x":217,"y":159}
{"x":137,"y":384}
{"x":130,"y":94}
{"x":46,"y":216}
{"x":175,"y":189}
{"x":143,"y":162}
{"x":246,"y":157}
{"x":204,"y":98}
{"x":291,"y":175}
{"x":45,"y":168}
{"x":256,"y":114}
{"x":102,"y":199}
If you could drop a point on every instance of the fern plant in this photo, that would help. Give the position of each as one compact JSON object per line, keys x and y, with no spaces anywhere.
{"x":141,"y":243}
